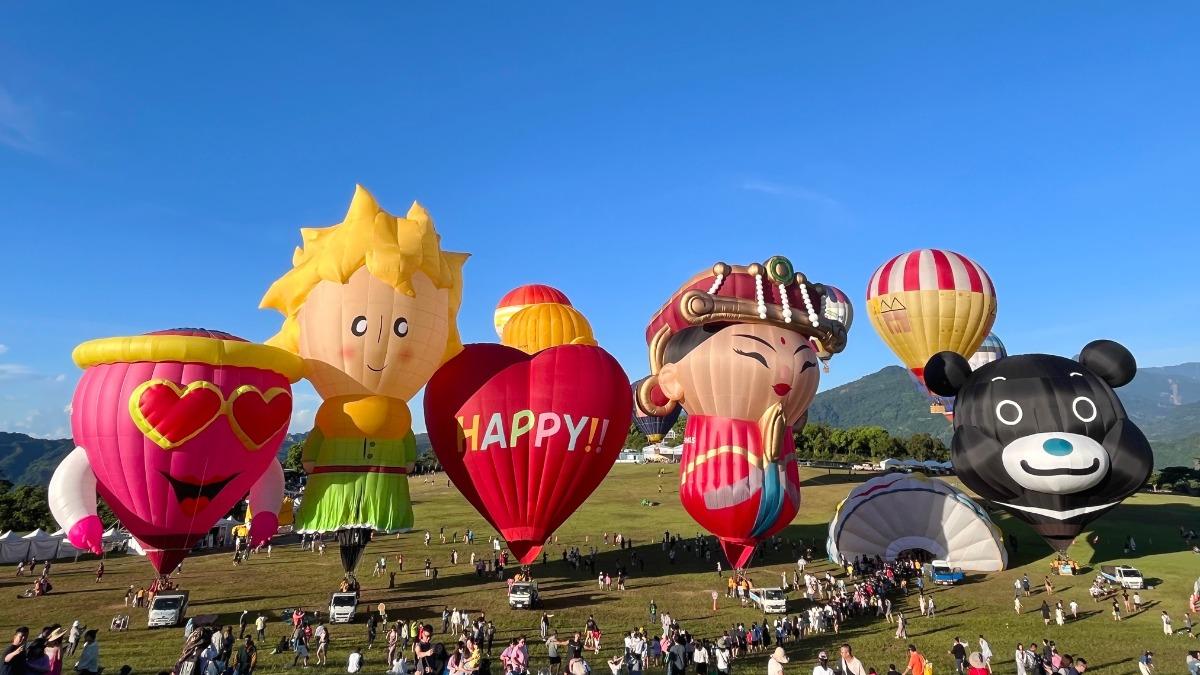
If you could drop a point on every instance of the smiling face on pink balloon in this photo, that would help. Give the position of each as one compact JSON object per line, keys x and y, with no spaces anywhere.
{"x":179,"y":425}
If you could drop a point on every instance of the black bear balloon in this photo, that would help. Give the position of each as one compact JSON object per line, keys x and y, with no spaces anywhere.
{"x":1046,"y":437}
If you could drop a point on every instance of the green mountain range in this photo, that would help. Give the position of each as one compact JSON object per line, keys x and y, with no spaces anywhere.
{"x":1164,"y":402}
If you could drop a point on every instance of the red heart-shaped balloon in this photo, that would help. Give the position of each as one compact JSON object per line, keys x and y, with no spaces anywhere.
{"x":527,"y":438}
{"x":171,"y":415}
{"x":256,"y":417}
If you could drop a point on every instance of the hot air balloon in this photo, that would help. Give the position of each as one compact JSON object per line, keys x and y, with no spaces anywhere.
{"x":526,"y":438}
{"x":524,"y":296}
{"x":1045,"y":437}
{"x":173,"y":429}
{"x":836,"y":306}
{"x":546,"y":325}
{"x":370,"y":306}
{"x":895,"y":512}
{"x":737,"y":348}
{"x":654,"y":426}
{"x":991,"y":350}
{"x":928,"y":301}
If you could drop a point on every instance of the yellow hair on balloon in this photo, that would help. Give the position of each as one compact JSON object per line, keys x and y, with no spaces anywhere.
{"x":391,"y":248}
{"x":546,"y":325}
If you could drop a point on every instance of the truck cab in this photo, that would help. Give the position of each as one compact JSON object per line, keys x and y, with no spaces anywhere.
{"x":342,"y":607}
{"x":167,"y":609}
{"x":523,"y":595}
{"x":769,"y":600}
{"x":942,"y":573}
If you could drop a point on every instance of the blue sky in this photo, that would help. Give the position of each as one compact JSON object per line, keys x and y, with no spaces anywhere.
{"x":158,"y":160}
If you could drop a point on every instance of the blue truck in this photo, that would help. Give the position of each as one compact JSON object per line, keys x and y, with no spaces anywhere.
{"x":945,"y":575}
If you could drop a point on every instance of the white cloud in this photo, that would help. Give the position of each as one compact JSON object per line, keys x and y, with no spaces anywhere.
{"x":302,"y":420}
{"x":3,"y":349}
{"x":791,"y":191}
{"x":67,"y":409}
{"x":18,"y":129}
{"x":61,"y":377}
{"x":12,"y":371}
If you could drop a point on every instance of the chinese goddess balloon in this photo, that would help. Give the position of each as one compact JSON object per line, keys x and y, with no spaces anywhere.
{"x":173,"y":429}
{"x":1046,"y":437}
{"x":737,"y":347}
{"x":370,"y":306}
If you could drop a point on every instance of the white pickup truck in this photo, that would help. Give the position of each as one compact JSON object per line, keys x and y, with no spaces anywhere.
{"x":167,"y":609}
{"x":1123,"y":575}
{"x":769,"y":600}
{"x":342,"y":607}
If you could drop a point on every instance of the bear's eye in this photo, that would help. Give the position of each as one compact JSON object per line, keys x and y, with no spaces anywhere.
{"x":999,"y":379}
{"x":1076,"y":375}
{"x":1084,"y":409}
{"x":1009,"y":412}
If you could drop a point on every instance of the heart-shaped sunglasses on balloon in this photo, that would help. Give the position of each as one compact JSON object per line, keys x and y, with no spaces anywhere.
{"x":170,"y":414}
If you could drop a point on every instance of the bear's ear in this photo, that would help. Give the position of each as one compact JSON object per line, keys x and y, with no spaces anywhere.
{"x":1110,"y":360}
{"x":946,"y":373}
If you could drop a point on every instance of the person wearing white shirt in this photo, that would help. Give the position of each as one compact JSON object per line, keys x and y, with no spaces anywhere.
{"x":822,"y":667}
{"x":722,"y":657}
{"x":700,"y":658}
{"x":985,"y":651}
{"x":354,"y":664}
{"x":850,"y":663}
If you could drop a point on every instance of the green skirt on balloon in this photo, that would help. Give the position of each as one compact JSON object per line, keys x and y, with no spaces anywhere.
{"x":357,"y":482}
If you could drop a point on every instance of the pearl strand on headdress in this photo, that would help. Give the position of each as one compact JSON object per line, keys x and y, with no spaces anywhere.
{"x":758,"y":292}
{"x":716,"y":286}
{"x":787,"y":311}
{"x":812,"y":316}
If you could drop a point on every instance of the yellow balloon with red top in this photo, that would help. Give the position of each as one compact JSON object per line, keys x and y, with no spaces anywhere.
{"x":547,"y":325}
{"x":929,"y":301}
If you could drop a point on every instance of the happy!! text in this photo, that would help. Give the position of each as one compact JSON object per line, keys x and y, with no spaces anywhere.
{"x":502,"y":433}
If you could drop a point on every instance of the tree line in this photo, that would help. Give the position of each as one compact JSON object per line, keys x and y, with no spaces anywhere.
{"x":821,"y":441}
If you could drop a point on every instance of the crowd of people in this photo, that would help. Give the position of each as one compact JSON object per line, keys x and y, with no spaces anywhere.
{"x":857,"y":590}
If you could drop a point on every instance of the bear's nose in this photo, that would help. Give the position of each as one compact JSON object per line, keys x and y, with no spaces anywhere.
{"x":1058,"y":447}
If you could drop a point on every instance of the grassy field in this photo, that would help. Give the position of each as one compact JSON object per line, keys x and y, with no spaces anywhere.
{"x":293,"y":577}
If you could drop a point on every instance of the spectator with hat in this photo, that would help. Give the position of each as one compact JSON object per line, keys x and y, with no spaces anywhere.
{"x":822,"y":667}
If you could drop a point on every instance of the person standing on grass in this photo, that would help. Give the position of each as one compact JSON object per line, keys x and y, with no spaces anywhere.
{"x":850,"y":663}
{"x":1019,"y":659}
{"x":89,"y":659}
{"x":1058,"y":613}
{"x":247,"y":657}
{"x":901,"y":626}
{"x":959,"y":651}
{"x":775,"y":663}
{"x":1166,"y":623}
{"x":822,"y":667}
{"x":1017,"y":604}
{"x":1074,"y":610}
{"x":985,"y":652}
{"x":1045,"y":613}
{"x":16,"y":653}
{"x":916,"y":662}
{"x":1137,"y":601}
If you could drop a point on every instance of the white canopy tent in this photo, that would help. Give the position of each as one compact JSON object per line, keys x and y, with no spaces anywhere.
{"x":893,"y":513}
{"x":42,"y":545}
{"x":13,"y":548}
